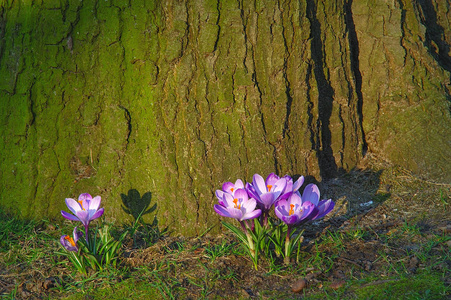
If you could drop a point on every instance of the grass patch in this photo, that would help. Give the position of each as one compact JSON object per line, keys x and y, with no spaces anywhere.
{"x":127,"y":289}
{"x":421,"y":286}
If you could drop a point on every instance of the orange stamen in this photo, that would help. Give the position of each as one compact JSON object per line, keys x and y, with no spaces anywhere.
{"x":231,"y":189}
{"x":71,"y":240}
{"x":236,"y":203}
{"x":269,"y":187}
{"x":291,"y":211}
{"x":81,"y":204}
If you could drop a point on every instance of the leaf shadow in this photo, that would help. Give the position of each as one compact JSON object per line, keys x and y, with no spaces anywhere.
{"x":143,"y":233}
{"x":137,"y":206}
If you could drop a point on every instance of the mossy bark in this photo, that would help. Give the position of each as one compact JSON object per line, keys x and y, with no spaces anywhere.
{"x":176,"y":97}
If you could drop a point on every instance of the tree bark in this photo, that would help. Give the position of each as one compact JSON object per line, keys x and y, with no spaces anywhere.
{"x":176,"y":97}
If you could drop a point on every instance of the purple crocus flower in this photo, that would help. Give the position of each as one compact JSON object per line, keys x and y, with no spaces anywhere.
{"x":293,"y":210}
{"x":229,"y":188}
{"x":85,"y":210}
{"x":70,"y":243}
{"x":239,"y":206}
{"x":266,"y":192}
{"x":311,"y":194}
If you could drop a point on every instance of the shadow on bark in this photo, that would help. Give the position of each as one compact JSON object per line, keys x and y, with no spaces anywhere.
{"x":326,"y":160}
{"x":137,"y":207}
{"x":355,"y":67}
{"x":435,"y":33}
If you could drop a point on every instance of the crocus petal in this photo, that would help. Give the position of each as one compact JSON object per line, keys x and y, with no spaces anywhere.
{"x":259,"y":184}
{"x":291,"y":220}
{"x":324,"y":207}
{"x":249,"y":205}
{"x":241,"y":194}
{"x":219,"y":195}
{"x":309,"y":212}
{"x":297,"y":185}
{"x":281,"y":211}
{"x":73,"y":205}
{"x":236,"y":213}
{"x":84,"y":217}
{"x":294,"y":199}
{"x":228,"y":187}
{"x":227,"y":199}
{"x":239,"y":184}
{"x":251,"y":191}
{"x":311,"y":193}
{"x":278,"y":187}
{"x":97,"y":214}
{"x":84,"y":196}
{"x":222,"y":211}
{"x":267,"y":200}
{"x":94,"y":203}
{"x":282,"y":203}
{"x":271,"y":179}
{"x":69,"y":216}
{"x":251,"y":215}
{"x":328,"y":206}
{"x":77,"y":234}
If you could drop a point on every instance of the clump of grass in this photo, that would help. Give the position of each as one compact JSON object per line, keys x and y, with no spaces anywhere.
{"x":223,"y":249}
{"x":422,"y":286}
{"x":13,"y":231}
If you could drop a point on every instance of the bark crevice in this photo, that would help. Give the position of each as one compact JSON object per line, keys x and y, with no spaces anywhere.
{"x":434,"y":42}
{"x":326,"y":160}
{"x":355,"y":68}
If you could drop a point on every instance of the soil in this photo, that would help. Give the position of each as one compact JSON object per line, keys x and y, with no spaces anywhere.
{"x":382,"y":217}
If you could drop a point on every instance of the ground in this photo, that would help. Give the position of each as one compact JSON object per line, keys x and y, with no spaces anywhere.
{"x":387,"y":238}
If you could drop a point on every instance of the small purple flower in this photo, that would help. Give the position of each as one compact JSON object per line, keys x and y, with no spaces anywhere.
{"x":311,"y":194}
{"x":229,"y":188}
{"x":85,"y":210}
{"x":239,"y":206}
{"x":266,"y":192}
{"x":70,"y":243}
{"x":293,"y":210}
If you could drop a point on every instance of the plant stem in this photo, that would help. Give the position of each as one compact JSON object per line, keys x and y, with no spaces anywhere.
{"x":250,"y":242}
{"x":286,"y":259}
{"x":265,"y":218}
{"x":243,"y":226}
{"x":86,"y":234}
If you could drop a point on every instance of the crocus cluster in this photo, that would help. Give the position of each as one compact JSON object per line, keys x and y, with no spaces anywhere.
{"x":84,"y":210}
{"x":256,"y":199}
{"x":244,"y":202}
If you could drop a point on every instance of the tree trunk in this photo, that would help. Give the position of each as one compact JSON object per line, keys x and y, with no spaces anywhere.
{"x":123,"y":98}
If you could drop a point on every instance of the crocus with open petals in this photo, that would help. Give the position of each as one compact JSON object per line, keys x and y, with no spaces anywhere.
{"x":311,"y":194}
{"x":70,"y":243}
{"x":229,"y":188}
{"x":293,"y":210}
{"x":239,"y":206}
{"x":85,"y":210}
{"x":266,"y":192}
